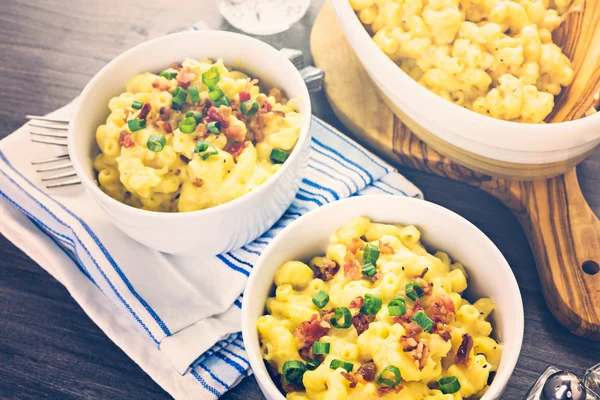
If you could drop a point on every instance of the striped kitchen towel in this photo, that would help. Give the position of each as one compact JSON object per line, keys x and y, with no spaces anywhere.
{"x":177,"y":317}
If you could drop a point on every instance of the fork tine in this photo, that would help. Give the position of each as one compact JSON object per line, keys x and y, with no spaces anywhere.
{"x":51,"y":159}
{"x":54,"y":135}
{"x":70,"y":182}
{"x":56,"y":168}
{"x":59,"y":176}
{"x":55,"y":127}
{"x":49,"y":142}
{"x":64,"y":121}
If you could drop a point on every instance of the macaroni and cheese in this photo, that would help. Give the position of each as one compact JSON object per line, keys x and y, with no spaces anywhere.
{"x":377,"y":317}
{"x":495,"y":57}
{"x":195,"y":136}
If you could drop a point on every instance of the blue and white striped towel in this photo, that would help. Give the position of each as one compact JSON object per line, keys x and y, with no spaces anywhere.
{"x":177,"y":317}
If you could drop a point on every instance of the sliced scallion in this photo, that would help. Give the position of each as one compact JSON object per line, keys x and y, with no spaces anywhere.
{"x":278,"y":156}
{"x":449,"y":384}
{"x":342,"y":312}
{"x":390,"y":369}
{"x":156,"y":143}
{"x":321,"y":299}
{"x":293,"y":371}
{"x":372,"y":304}
{"x":422,"y":319}
{"x":335,"y":364}
{"x":135,"y":124}
{"x":321,"y":348}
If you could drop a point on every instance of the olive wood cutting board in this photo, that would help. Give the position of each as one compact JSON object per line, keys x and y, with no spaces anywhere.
{"x":563,"y":232}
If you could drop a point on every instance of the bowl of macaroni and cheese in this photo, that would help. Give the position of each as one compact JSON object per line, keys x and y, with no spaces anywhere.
{"x":477,"y":81}
{"x":193,"y":142}
{"x":382,"y":297}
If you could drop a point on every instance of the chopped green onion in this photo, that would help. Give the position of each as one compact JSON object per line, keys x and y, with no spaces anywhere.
{"x":422,"y":319}
{"x":249,"y":108}
{"x":371,"y":253}
{"x":335,"y":364}
{"x":372,"y":304}
{"x":321,"y":299}
{"x":389,"y":382}
{"x":397,"y":307}
{"x":368,"y":269}
{"x":211,"y":77}
{"x":188,"y":125}
{"x":339,"y":313}
{"x":197,"y":115}
{"x":223,"y":101}
{"x":293,"y":371}
{"x":215,"y":93}
{"x":169,"y":73}
{"x":214,"y":127}
{"x":278,"y":156}
{"x":135,"y":124}
{"x":156,"y":143}
{"x":202,"y":146}
{"x":137,"y":105}
{"x":414,"y":291}
{"x":312,"y":364}
{"x":179,"y":96}
{"x":194,"y":94}
{"x":321,"y":348}
{"x":449,"y":384}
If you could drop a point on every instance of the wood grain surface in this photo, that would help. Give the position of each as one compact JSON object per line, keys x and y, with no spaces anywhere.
{"x":563,"y":231}
{"x":49,"y":49}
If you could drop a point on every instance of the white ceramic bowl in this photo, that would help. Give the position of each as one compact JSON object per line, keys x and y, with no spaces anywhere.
{"x":214,"y":230}
{"x":489,"y":273}
{"x":487,"y":137}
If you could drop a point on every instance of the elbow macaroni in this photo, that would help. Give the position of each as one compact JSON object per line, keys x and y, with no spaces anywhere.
{"x":402,"y":262}
{"x":495,"y":57}
{"x":176,"y":178}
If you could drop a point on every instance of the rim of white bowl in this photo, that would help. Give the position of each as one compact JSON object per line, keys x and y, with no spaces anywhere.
{"x":256,"y":362}
{"x":204,"y":35}
{"x":558,"y":136}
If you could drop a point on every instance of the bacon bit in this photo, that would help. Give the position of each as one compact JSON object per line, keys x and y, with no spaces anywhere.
{"x":361,"y":323}
{"x":145,"y":111}
{"x":443,"y":330}
{"x":385,"y":248}
{"x":309,"y":332}
{"x":441,"y":309}
{"x":411,"y":327}
{"x":382,"y":391}
{"x":464,"y":350}
{"x":198,"y":182}
{"x":161,"y":84}
{"x":276,"y":93}
{"x":184,"y":77}
{"x":420,"y":355}
{"x":165,"y":113}
{"x":377,"y":276}
{"x":357,"y":302}
{"x":237,"y":149}
{"x":184,"y":159}
{"x":426,"y":286}
{"x":268,"y":106}
{"x":126,"y":140}
{"x":279,"y":113}
{"x":288,"y":388}
{"x":352,"y":270}
{"x":354,"y":379}
{"x":411,"y":313}
{"x":327,"y":271}
{"x":235,"y":132}
{"x":244,"y":96}
{"x":215,"y":115}
{"x":175,"y":65}
{"x":367,"y":371}
{"x":355,"y":245}
{"x":306,"y":354}
{"x":327,"y":315}
{"x":165,"y":126}
{"x":408,"y":343}
{"x":422,"y":275}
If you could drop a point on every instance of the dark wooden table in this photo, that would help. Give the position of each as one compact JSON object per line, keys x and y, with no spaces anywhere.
{"x":49,"y":49}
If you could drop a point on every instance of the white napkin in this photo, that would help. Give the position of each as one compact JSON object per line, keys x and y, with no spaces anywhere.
{"x":177,"y":317}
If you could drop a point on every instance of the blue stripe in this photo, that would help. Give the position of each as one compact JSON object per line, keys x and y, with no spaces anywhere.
{"x":392,"y":187}
{"x":96,"y":240}
{"x":86,"y":250}
{"x":317,"y":186}
{"x":206,"y":385}
{"x":353,"y":144}
{"x":238,"y":303}
{"x":336,"y":179}
{"x":374,"y":184}
{"x":237,"y":356}
{"x":232,"y":266}
{"x":215,"y":378}
{"x":247,"y":250}
{"x":240,"y":261}
{"x":308,"y":192}
{"x":345,"y":168}
{"x":351,"y":163}
{"x":310,"y":199}
{"x":229,"y":361}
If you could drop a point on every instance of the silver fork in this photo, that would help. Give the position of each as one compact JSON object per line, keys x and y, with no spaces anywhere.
{"x":53,"y":131}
